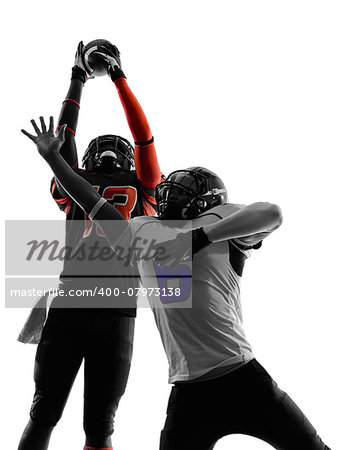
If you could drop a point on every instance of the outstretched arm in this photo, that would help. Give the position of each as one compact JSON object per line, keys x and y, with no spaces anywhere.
{"x":252,"y":220}
{"x":71,"y":107}
{"x":247,"y":227}
{"x":80,"y":190}
{"x":69,"y":115}
{"x":147,"y":167}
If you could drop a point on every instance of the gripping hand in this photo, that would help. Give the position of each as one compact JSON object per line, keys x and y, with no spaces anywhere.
{"x":111,"y":55}
{"x":79,"y":70}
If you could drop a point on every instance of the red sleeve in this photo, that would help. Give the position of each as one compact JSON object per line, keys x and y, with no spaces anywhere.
{"x":147,"y":167}
{"x":146,"y":163}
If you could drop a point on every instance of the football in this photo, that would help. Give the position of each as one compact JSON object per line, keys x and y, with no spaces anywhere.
{"x":93,"y":62}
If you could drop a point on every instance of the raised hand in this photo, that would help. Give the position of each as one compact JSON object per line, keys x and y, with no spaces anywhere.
{"x":111,"y":55}
{"x":47,"y":143}
{"x":79,"y":64}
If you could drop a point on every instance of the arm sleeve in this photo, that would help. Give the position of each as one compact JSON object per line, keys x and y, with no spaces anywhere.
{"x":69,"y":115}
{"x":147,"y":167}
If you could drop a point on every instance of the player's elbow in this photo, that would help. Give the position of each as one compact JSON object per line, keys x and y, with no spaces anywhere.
{"x":268,"y":214}
{"x":273,"y":214}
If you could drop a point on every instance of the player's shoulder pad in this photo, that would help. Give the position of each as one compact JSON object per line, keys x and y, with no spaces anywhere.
{"x":151,"y":228}
{"x":226,"y":210}
{"x":141,"y":220}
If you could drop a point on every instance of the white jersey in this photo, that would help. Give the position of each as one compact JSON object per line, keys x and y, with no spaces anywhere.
{"x":207,"y":334}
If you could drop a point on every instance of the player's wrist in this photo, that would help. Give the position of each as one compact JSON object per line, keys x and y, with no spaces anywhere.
{"x":116,"y":73}
{"x":52,"y":158}
{"x":77,"y":73}
{"x":199,"y":240}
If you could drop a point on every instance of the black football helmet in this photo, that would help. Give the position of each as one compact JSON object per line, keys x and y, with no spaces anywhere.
{"x":108,"y":153}
{"x":187,"y":193}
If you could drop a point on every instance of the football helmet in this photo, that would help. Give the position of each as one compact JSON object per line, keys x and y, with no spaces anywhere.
{"x":108,"y":153}
{"x":187,"y":193}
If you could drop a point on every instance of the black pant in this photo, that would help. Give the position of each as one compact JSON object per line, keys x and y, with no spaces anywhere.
{"x":104,"y":340}
{"x":246,"y":401}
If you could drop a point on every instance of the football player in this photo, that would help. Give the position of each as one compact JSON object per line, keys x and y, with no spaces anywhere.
{"x":102,"y":337}
{"x":220,"y":388}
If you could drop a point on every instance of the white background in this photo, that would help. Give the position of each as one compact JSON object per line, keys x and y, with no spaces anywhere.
{"x":246,"y":88}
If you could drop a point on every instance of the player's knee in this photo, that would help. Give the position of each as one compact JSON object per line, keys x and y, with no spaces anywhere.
{"x":46,"y":411}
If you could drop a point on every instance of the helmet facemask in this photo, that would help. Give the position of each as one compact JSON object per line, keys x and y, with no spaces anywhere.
{"x":187,"y":193}
{"x":108,"y":153}
{"x":172,"y":199}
